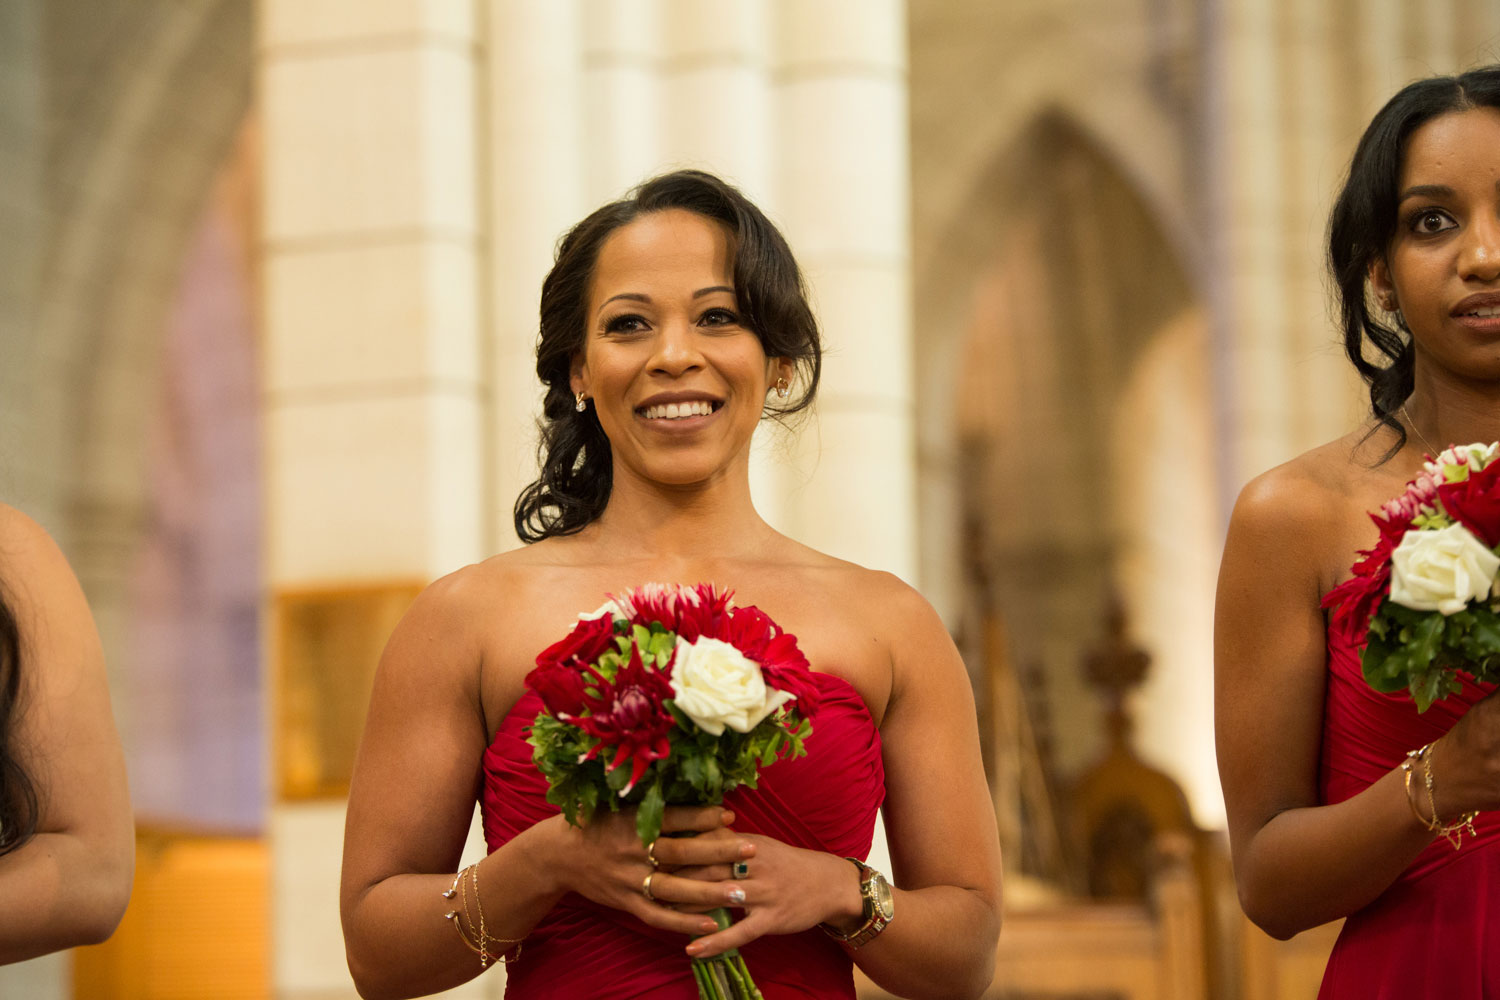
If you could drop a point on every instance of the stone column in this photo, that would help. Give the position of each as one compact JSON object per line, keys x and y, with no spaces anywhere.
{"x":535,"y":175}
{"x":375,"y":391}
{"x":843,"y":192}
{"x":622,"y":109}
{"x":1252,"y":251}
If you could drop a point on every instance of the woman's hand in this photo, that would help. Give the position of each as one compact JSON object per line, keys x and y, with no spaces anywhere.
{"x":605,"y":862}
{"x":786,"y":890}
{"x":1466,"y":764}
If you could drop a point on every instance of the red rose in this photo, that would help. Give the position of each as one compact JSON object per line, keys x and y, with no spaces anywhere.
{"x":1475,"y":503}
{"x":582,"y":646}
{"x":628,"y":716}
{"x":560,"y":687}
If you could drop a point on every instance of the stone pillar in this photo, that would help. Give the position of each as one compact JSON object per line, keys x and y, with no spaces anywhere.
{"x":535,"y":176}
{"x":843,"y":192}
{"x":622,"y":112}
{"x":1252,"y":250}
{"x":375,"y":390}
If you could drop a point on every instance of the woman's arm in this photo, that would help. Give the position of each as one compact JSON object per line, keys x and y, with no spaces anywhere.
{"x":410,"y":803}
{"x":941,"y":826}
{"x":1297,"y":864}
{"x":69,"y":884}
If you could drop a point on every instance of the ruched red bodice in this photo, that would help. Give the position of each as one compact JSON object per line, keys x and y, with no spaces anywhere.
{"x":825,"y":801}
{"x":1435,"y":933}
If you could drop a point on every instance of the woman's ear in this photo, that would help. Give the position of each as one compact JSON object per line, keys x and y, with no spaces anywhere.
{"x":780,"y":372}
{"x":578,"y":375}
{"x":1382,"y":286}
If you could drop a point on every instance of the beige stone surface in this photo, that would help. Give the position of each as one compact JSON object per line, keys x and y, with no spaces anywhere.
{"x":398,"y":314}
{"x":858,"y":501}
{"x":339,"y":23}
{"x":373,"y":487}
{"x":369,"y":144}
{"x":863,"y":310}
{"x":842,"y":176}
{"x":840,"y":36}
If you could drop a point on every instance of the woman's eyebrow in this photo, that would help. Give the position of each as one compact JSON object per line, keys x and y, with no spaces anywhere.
{"x":1426,"y":191}
{"x":632,"y":296}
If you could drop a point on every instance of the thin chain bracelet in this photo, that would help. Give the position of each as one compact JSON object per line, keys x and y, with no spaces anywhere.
{"x":1452,"y":832}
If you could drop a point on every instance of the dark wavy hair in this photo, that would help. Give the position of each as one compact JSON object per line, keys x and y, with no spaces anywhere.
{"x":1363,"y":223}
{"x":577,"y":469}
{"x":20,"y":809}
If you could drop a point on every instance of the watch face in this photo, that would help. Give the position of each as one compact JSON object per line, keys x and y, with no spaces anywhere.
{"x":885,"y":903}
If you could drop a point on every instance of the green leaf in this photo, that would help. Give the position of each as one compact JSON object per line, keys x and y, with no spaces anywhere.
{"x":649,"y":813}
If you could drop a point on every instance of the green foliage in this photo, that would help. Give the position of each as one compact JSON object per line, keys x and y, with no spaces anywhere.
{"x":1423,"y":651}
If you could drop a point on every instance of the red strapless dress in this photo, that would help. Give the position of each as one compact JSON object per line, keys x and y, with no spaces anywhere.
{"x":826,"y":801}
{"x":1435,"y":933}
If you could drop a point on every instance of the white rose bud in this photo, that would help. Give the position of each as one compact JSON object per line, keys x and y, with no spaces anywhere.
{"x":1441,"y":570}
{"x":716,"y":685}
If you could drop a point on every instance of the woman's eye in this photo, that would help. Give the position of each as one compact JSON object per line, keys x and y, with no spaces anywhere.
{"x":626,"y":323}
{"x":719,"y":317}
{"x":1430,"y":221}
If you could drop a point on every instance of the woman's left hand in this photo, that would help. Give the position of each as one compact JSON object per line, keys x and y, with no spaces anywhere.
{"x":785,"y":890}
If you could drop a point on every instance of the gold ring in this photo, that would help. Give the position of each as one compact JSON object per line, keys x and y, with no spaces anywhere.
{"x":646,"y":886}
{"x":651,"y":855}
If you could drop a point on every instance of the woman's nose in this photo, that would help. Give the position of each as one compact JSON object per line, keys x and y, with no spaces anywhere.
{"x":1479,"y":258}
{"x":676,"y":348}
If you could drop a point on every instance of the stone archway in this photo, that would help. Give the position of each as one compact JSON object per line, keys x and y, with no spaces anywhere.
{"x":137,"y":106}
{"x":1080,"y":379}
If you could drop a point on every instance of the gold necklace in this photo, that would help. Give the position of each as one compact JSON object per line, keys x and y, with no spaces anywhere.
{"x":1434,"y":452}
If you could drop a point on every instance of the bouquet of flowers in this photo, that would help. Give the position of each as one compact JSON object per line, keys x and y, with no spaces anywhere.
{"x":1427,"y":594}
{"x":669,"y":695}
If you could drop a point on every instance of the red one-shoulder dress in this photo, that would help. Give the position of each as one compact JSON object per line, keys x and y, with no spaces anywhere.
{"x":1435,"y":933}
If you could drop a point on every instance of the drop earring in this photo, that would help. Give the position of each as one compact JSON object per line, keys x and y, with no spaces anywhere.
{"x":783,"y":390}
{"x":578,"y":402}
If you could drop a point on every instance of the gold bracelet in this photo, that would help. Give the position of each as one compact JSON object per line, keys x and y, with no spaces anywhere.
{"x":458,"y":917}
{"x":1411,"y":800}
{"x":1452,"y":832}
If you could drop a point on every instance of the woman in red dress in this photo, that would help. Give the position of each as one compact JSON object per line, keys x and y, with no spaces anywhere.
{"x":1323,"y":823}
{"x":671,"y":324}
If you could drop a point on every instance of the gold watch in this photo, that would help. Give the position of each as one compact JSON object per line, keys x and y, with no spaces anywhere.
{"x":880,"y":907}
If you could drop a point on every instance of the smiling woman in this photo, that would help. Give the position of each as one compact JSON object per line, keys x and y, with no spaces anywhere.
{"x":671,"y":324}
{"x":1325,"y":819}
{"x":737,"y":271}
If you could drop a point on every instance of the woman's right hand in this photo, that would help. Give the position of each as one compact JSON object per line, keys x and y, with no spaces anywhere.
{"x":1465,"y":764}
{"x":605,"y":862}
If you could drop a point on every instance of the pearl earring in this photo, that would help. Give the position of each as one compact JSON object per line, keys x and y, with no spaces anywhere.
{"x":783,"y":390}
{"x":578,"y":402}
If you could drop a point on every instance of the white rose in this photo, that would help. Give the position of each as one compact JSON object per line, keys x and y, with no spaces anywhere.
{"x":716,"y":685}
{"x":1441,"y":570}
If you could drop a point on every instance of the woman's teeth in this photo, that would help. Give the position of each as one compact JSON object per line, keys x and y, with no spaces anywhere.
{"x":1488,"y":312}
{"x":678,"y":411}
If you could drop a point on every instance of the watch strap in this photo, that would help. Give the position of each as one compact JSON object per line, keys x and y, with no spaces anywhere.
{"x":875,"y":918}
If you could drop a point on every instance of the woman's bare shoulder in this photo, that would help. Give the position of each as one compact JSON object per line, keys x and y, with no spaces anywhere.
{"x":1311,"y":491}
{"x":882,"y":596}
{"x":34,"y":573}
